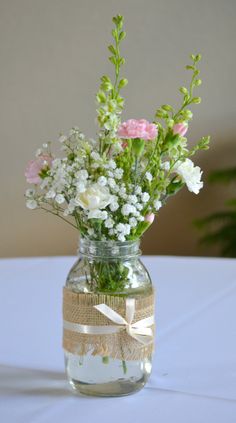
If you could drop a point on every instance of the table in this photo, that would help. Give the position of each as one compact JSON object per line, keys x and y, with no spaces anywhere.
{"x":194,"y":372}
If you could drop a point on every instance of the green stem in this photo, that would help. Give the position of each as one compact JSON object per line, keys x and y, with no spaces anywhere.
{"x":124,"y":366}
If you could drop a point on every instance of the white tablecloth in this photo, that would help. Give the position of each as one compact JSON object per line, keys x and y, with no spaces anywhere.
{"x":194,"y":372}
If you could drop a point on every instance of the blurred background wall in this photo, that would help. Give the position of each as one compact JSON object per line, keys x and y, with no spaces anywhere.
{"x":52,"y":55}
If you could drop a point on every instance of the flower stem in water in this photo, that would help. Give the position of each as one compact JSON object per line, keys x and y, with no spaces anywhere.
{"x":105,"y":360}
{"x":124,"y":367}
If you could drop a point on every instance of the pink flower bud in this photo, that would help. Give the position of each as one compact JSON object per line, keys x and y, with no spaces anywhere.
{"x":34,"y":167}
{"x":149,"y":218}
{"x":180,"y":128}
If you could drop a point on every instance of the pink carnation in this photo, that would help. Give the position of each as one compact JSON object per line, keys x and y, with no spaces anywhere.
{"x":134,"y":128}
{"x":180,"y":128}
{"x":34,"y":167}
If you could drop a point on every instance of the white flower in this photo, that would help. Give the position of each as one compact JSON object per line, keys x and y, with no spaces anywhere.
{"x":122,"y":229}
{"x":31,"y":204}
{"x":71,"y":206}
{"x":62,"y":139}
{"x":82,"y":174}
{"x":128,"y":209}
{"x":122,"y":192}
{"x":132,"y":199}
{"x":190,"y":174}
{"x":109,"y":223}
{"x":111,"y":231}
{"x":148,"y":176}
{"x":97,"y":214}
{"x":145,"y":197}
{"x":157,"y":204}
{"x":94,"y":197}
{"x":139,"y":206}
{"x":140,"y":218}
{"x":133,"y":222}
{"x":30,"y":192}
{"x":102,"y":180}
{"x":80,"y":187}
{"x":118,"y":173}
{"x":50,"y":194}
{"x":95,"y":156}
{"x":59,"y":198}
{"x":112,"y":183}
{"x":114,"y":206}
{"x":38,"y":152}
{"x":121,"y":237}
{"x":138,"y":190}
{"x":91,"y":231}
{"x":112,"y":164}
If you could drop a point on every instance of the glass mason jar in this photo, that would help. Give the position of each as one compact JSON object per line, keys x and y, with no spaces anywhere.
{"x":109,"y":268}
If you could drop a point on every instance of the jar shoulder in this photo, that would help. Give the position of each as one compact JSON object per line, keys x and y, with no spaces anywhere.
{"x":90,"y":276}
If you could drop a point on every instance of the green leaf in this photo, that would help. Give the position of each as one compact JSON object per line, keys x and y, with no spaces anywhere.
{"x":174,"y":187}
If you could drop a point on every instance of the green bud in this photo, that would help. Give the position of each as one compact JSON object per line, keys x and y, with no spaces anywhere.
{"x":193,"y":57}
{"x":196,"y":100}
{"x":101,"y":97}
{"x":161,"y":114}
{"x":114,"y":34}
{"x":123,"y":82}
{"x":183,"y":90}
{"x":190,"y":67}
{"x":122,"y":35}
{"x":198,"y":82}
{"x":106,"y":86}
{"x":122,"y":61}
{"x":112,"y":49}
{"x":167,"y":108}
{"x":105,"y":78}
{"x":170,"y":123}
{"x":112,"y":59}
{"x":198,"y":57}
{"x":186,"y":114}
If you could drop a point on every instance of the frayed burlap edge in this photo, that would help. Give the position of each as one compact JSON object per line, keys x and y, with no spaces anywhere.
{"x":79,"y":308}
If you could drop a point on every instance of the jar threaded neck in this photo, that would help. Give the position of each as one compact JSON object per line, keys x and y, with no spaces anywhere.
{"x":109,"y":249}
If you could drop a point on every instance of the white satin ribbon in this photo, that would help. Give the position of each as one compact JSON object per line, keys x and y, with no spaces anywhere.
{"x":140,"y":330}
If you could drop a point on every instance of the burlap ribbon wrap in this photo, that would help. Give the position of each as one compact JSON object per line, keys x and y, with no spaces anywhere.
{"x":108,"y":325}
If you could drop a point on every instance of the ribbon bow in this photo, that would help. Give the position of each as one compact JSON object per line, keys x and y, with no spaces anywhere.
{"x":139,"y":330}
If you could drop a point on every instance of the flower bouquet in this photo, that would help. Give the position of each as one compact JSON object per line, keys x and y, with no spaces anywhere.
{"x":110,"y":189}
